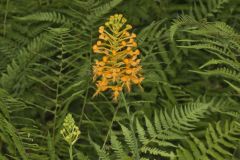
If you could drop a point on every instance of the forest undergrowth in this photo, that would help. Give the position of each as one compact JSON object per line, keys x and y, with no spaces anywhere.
{"x":119,"y":80}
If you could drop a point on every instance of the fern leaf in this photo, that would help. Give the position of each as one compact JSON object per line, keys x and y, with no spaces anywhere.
{"x":53,"y":17}
{"x":7,"y":127}
{"x":179,"y":22}
{"x":219,"y":140}
{"x":129,"y":139}
{"x":118,"y":148}
{"x":101,"y":153}
{"x":155,"y":151}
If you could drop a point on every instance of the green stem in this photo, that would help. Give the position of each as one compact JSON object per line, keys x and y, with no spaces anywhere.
{"x":110,"y":127}
{"x":131,"y":124}
{"x":87,"y":89}
{"x":5,"y":18}
{"x":70,"y":152}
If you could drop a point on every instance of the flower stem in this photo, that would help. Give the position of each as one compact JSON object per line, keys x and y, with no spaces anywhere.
{"x":70,"y":152}
{"x":131,"y":120}
{"x":110,"y":127}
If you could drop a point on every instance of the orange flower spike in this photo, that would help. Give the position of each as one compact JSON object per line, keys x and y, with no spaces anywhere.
{"x":116,"y":92}
{"x":126,"y":61}
{"x":126,"y":82}
{"x":101,"y":36}
{"x":105,"y":58}
{"x":131,"y":40}
{"x":102,"y":86}
{"x":119,"y":67}
{"x":115,"y":95}
{"x":115,"y":74}
{"x":137,"y":52}
{"x":129,"y":71}
{"x":114,"y":52}
{"x":129,"y":48}
{"x":134,"y":44}
{"x":124,"y":43}
{"x":127,"y":34}
{"x":99,"y":63}
{"x":99,"y":43}
{"x":95,"y":48}
{"x":101,"y":29}
{"x":108,"y":75}
{"x":133,"y":35}
{"x":128,"y":26}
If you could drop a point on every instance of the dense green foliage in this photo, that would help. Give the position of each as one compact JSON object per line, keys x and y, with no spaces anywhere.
{"x":190,"y":106}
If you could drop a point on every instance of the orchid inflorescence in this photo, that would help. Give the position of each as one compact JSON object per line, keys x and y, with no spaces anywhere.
{"x":70,"y":131}
{"x":119,"y":66}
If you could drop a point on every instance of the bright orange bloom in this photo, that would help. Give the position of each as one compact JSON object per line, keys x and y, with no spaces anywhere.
{"x":119,"y":66}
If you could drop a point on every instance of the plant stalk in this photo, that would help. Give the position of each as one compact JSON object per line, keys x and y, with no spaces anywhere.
{"x":71,"y":152}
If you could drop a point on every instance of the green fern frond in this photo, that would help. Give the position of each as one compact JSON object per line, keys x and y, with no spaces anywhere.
{"x":129,"y":139}
{"x":180,"y":22}
{"x":224,"y":72}
{"x":10,"y":131}
{"x":158,"y":138}
{"x":27,"y":132}
{"x":226,"y":62}
{"x":157,"y":152}
{"x":53,"y":17}
{"x":222,"y":41}
{"x":103,"y":155}
{"x":98,"y":12}
{"x":216,"y":50}
{"x":105,"y":8}
{"x":118,"y":148}
{"x":205,"y":9}
{"x":235,"y":87}
{"x":220,"y":141}
{"x":15,"y":79}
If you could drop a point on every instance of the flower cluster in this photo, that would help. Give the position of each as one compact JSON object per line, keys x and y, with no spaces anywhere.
{"x":70,"y":131}
{"x":119,"y":66}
